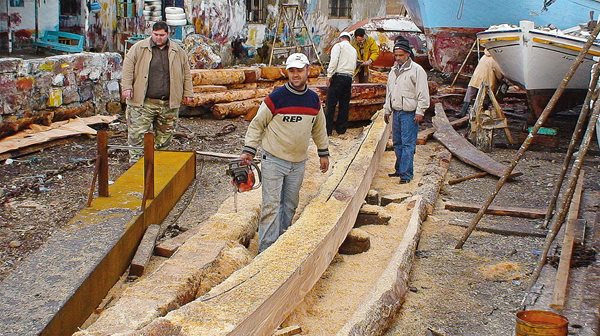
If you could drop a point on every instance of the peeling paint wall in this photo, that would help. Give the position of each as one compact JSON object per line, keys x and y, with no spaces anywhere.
{"x":51,"y":88}
{"x":22,"y":18}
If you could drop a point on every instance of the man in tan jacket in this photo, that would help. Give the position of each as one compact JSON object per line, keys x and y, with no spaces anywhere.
{"x":156,"y":79}
{"x":486,"y":71}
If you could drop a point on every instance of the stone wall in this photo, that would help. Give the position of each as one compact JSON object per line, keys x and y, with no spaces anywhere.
{"x":56,"y":88}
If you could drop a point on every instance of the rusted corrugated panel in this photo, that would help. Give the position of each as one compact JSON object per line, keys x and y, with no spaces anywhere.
{"x":448,"y":48}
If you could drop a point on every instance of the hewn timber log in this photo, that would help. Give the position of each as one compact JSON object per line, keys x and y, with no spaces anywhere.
{"x":222,"y":97}
{"x":235,"y":109}
{"x":497,"y":210}
{"x":272,"y":73}
{"x":288,"y":269}
{"x":462,"y":148}
{"x":279,"y":72}
{"x":217,"y":76}
{"x":377,"y":312}
{"x":204,"y":260}
{"x":243,"y":86}
{"x":251,"y":74}
{"x":209,"y":88}
{"x":359,"y":91}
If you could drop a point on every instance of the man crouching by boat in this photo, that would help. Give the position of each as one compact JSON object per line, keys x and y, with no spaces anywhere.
{"x":406,"y":99}
{"x":283,"y":126}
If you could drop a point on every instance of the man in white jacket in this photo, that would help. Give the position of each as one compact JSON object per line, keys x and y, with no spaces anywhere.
{"x":407,"y":98}
{"x":339,"y":74}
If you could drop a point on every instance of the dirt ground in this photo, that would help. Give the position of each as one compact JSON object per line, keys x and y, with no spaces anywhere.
{"x":473,"y":291}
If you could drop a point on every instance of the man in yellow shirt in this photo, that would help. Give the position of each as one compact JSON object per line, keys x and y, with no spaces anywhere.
{"x":367,"y":50}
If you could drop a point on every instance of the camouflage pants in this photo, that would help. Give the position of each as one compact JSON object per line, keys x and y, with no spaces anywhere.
{"x":153,"y":115}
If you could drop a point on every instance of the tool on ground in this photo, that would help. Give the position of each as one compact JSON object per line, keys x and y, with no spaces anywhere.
{"x":243,"y":177}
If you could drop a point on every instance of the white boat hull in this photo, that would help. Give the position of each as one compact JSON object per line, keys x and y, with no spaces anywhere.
{"x":536,"y":59}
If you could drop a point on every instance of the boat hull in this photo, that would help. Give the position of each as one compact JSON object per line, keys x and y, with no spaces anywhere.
{"x":538,"y":60}
{"x":450,"y":28}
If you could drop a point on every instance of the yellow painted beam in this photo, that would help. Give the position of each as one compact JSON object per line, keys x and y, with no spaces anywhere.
{"x":57,"y":287}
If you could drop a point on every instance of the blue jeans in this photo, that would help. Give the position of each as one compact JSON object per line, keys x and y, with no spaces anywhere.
{"x":281,"y":182}
{"x":404,"y":137}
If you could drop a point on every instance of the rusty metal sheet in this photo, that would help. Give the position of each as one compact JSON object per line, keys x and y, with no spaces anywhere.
{"x":462,"y":148}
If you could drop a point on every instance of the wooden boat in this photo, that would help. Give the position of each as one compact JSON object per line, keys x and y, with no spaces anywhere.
{"x":538,"y":59}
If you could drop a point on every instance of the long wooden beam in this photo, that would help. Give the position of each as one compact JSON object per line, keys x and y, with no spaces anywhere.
{"x":497,"y":210}
{"x":426,"y":134}
{"x":462,"y":148}
{"x":559,"y":295}
{"x":57,"y":287}
{"x":256,"y":299}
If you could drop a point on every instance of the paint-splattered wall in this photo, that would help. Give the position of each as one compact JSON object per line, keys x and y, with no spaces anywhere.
{"x":23,"y":14}
{"x":57,"y":88}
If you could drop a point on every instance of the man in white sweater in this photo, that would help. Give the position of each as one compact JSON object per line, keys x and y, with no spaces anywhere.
{"x":339,"y":74}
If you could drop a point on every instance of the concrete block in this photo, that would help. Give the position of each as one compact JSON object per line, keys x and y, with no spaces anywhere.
{"x":394,"y":198}
{"x":357,"y":241}
{"x":372,"y":197}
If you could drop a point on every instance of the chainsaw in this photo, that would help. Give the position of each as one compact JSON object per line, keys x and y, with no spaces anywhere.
{"x":243,"y":177}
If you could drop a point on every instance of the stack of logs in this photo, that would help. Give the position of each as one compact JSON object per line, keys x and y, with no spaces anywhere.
{"x":235,"y":92}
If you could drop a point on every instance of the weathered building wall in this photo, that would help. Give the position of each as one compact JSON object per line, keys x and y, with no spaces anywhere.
{"x":22,"y":14}
{"x":54,"y":88}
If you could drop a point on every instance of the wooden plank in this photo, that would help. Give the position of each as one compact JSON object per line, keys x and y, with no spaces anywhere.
{"x":144,"y":251}
{"x":559,"y":294}
{"x":462,"y":148}
{"x":426,"y":134}
{"x":506,"y":229}
{"x":168,"y":247}
{"x":38,"y":135}
{"x":36,"y":148}
{"x":497,"y":210}
{"x":236,"y":109}
{"x":256,"y":299}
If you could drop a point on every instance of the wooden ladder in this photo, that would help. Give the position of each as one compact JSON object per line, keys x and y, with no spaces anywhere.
{"x":474,"y":47}
{"x":291,"y":17}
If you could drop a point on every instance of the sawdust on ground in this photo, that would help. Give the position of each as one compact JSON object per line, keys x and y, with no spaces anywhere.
{"x":349,"y":279}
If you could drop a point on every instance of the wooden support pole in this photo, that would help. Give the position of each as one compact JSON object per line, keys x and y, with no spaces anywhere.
{"x":468,"y":177}
{"x":564,"y":265}
{"x":559,"y":217}
{"x":591,"y":94}
{"x":93,"y":184}
{"x":541,"y":120}
{"x":149,"y":165}
{"x":102,"y":163}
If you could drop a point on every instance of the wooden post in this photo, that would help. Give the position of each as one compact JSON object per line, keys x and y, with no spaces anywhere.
{"x":558,"y":218}
{"x":592,"y":94}
{"x":102,"y":163}
{"x":149,"y":165}
{"x":541,"y":120}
